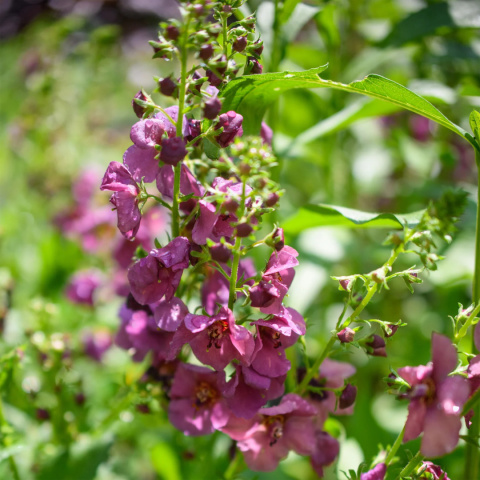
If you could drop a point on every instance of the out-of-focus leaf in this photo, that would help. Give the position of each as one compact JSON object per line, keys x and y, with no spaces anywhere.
{"x":475,"y":124}
{"x":331,"y":215}
{"x":455,"y":14}
{"x":252,"y":94}
{"x":299,"y":17}
{"x":165,"y":462}
{"x":10,"y":451}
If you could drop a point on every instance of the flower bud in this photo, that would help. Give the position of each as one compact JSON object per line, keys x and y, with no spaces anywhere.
{"x":347,"y":398}
{"x":244,"y":169}
{"x":206,"y":51}
{"x":240,"y":44}
{"x":167,"y":86}
{"x":172,"y":32}
{"x":80,"y":398}
{"x":279,"y":239}
{"x":244,"y":230}
{"x":232,"y":127}
{"x":392,"y":330}
{"x":256,"y":48}
{"x":377,"y":346}
{"x":272,"y":199}
{"x":213,"y":79}
{"x":230,"y":205}
{"x":346,"y":335}
{"x":139,"y":110}
{"x":220,"y":253}
{"x":42,"y":414}
{"x":378,"y":276}
{"x":173,"y":150}
{"x":255,"y":67}
{"x":212,"y":108}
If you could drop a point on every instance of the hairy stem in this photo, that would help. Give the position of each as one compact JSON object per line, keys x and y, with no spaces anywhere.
{"x":411,"y":466}
{"x":471,"y":450}
{"x":181,"y":107}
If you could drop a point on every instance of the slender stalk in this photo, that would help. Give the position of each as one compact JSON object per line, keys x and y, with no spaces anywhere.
{"x":232,"y":468}
{"x":11,"y":460}
{"x":181,"y":108}
{"x":412,"y":465}
{"x":395,"y":447}
{"x":471,"y":451}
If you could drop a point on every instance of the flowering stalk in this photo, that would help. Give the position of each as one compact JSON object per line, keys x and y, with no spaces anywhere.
{"x":395,"y":447}
{"x":472,"y":454}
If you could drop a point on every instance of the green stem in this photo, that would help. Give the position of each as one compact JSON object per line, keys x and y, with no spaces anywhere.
{"x":11,"y":460}
{"x":232,"y":468}
{"x":411,"y":466}
{"x":395,"y":447}
{"x":160,"y":201}
{"x":463,"y":331}
{"x":181,"y":107}
{"x":472,"y":451}
{"x":232,"y":293}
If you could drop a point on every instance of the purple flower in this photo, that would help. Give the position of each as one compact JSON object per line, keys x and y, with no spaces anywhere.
{"x":169,"y":315}
{"x":188,"y":185}
{"x":216,"y":340}
{"x":159,"y":274}
{"x":273,"y":337}
{"x":276,"y":280}
{"x":139,"y":332}
{"x":435,"y":471}
{"x":332,"y":374}
{"x":326,"y":451}
{"x":436,"y":400}
{"x":276,"y":431}
{"x":266,"y":133}
{"x":197,"y":406}
{"x":173,"y":151}
{"x":119,"y":180}
{"x":83,"y":285}
{"x":96,"y":343}
{"x":376,"y":473}
{"x":232,"y":127}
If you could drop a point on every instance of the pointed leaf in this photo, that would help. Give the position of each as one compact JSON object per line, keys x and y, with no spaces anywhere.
{"x":330,"y":215}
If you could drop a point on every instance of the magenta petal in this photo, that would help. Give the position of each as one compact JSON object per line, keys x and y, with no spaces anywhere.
{"x":282,"y":260}
{"x":415,"y":420}
{"x":204,"y":225}
{"x":444,"y":357}
{"x":169,"y":315}
{"x":415,"y":375}
{"x":143,"y":278}
{"x":376,"y":473}
{"x":336,"y":372}
{"x":440,"y":433}
{"x":118,"y":178}
{"x":299,"y":433}
{"x":198,"y":323}
{"x":175,"y":255}
{"x":141,"y":163}
{"x":128,"y":213}
{"x":452,"y":394}
{"x":326,"y":451}
{"x":147,"y":133}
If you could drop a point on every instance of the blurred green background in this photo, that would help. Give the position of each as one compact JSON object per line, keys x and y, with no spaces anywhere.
{"x":69,"y":70}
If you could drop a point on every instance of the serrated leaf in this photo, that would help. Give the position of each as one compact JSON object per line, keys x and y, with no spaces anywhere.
{"x":331,"y":215}
{"x":251,"y":95}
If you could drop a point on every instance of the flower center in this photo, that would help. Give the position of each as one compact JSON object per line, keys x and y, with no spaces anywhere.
{"x":205,"y":395}
{"x":275,"y":428}
{"x":216,"y":332}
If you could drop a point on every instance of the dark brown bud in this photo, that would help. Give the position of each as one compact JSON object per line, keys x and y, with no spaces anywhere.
{"x":240,"y":44}
{"x":244,"y":230}
{"x":279,"y":239}
{"x":230,"y":205}
{"x":42,"y":414}
{"x":212,"y":108}
{"x":206,"y":51}
{"x":172,"y":32}
{"x":244,"y":169}
{"x":346,"y":335}
{"x":220,"y":253}
{"x":272,"y":199}
{"x":167,"y":86}
{"x":347,"y":398}
{"x":393,"y":329}
{"x":139,"y":110}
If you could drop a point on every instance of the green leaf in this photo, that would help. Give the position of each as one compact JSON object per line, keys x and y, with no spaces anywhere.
{"x":251,"y":95}
{"x":427,"y":21}
{"x":165,"y":462}
{"x":475,"y":124}
{"x":330,"y":215}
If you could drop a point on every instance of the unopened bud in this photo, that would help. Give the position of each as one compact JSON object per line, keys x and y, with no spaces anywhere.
{"x":378,"y":276}
{"x":244,"y":169}
{"x":206,"y":51}
{"x":172,"y":32}
{"x":212,"y":108}
{"x":240,"y":44}
{"x":167,"y":86}
{"x":272,"y":199}
{"x":230,"y":205}
{"x":244,"y":230}
{"x":139,"y":110}
{"x":377,"y":346}
{"x":220,"y":253}
{"x":346,"y":335}
{"x":348,"y":396}
{"x":279,"y":239}
{"x":391,"y":330}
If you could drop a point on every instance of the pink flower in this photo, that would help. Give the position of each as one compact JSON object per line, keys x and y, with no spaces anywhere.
{"x":326,"y":451}
{"x":158,"y":275}
{"x":268,"y":438}
{"x":96,"y":343}
{"x":435,"y":471}
{"x":197,"y":406}
{"x":119,"y":180}
{"x":216,"y":340}
{"x":82,"y":286}
{"x":376,"y":473}
{"x":436,"y":400}
{"x":232,"y":127}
